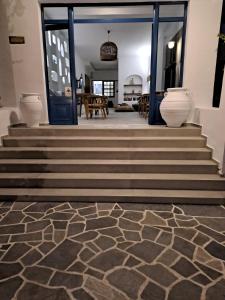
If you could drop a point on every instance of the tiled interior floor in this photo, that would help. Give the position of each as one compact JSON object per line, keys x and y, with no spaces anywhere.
{"x":125,"y":119}
{"x":111,"y":251}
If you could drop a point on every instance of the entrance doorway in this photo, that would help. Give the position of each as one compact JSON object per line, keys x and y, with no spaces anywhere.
{"x":144,"y":68}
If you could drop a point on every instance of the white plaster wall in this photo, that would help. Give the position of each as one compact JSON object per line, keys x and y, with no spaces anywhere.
{"x":199,"y":72}
{"x":130,"y":65}
{"x":24,"y":19}
{"x":8,"y":116}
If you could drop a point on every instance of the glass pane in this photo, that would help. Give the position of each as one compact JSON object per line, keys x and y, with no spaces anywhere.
{"x":169,"y":55}
{"x":97,"y":87}
{"x":52,"y":13}
{"x":139,"y":11}
{"x":171,"y":10}
{"x":58,"y":64}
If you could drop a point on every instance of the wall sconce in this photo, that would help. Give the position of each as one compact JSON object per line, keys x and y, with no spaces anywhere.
{"x":171,"y":44}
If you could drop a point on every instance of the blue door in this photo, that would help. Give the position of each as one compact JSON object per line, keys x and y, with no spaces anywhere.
{"x":61,"y":101}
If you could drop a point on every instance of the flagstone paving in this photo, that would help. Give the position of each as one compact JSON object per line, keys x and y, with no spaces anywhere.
{"x":107,"y":251}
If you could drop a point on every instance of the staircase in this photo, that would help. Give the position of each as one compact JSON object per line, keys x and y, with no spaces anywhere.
{"x":155,"y":165}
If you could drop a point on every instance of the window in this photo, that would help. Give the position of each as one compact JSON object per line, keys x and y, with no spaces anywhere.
{"x":104,"y":87}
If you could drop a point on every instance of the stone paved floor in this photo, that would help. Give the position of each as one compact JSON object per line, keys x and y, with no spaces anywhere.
{"x":108,"y":251}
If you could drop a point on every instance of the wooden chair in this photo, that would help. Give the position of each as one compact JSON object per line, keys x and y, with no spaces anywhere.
{"x":94,"y":104}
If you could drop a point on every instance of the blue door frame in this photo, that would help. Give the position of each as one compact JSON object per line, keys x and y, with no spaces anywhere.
{"x":154,"y":100}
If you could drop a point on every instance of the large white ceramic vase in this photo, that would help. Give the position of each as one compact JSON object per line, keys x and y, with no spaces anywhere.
{"x":31,"y":109}
{"x":175,"y":107}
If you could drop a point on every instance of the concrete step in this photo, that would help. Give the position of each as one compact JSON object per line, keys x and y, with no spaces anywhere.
{"x":108,"y":166}
{"x":114,"y":195}
{"x":105,"y":153}
{"x":90,"y":131}
{"x":105,"y":141}
{"x":112,"y":181}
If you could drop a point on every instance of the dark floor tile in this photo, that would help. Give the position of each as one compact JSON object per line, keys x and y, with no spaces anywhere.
{"x":150,"y":233}
{"x":94,"y":273}
{"x":202,"y":279}
{"x":9,"y":270}
{"x":9,"y":287}
{"x":59,"y":216}
{"x":211,"y":233}
{"x":208,"y":271}
{"x":13,"y":217}
{"x":12,"y":229}
{"x":116,"y":213}
{"x":69,"y":281}
{"x":62,"y":256}
{"x":184,"y":267}
{"x":153,"y":291}
{"x":113,"y":232}
{"x":184,"y":247}
{"x":217,"y":224}
{"x":133,"y":215}
{"x":99,"y":223}
{"x":107,"y":260}
{"x":146,"y":250}
{"x":37,"y":292}
{"x":132,"y":235}
{"x":85,"y":236}
{"x":27,"y":237}
{"x":31,"y":257}
{"x":185,"y":290}
{"x":15,"y":252}
{"x":75,"y":228}
{"x":159,"y":274}
{"x":215,"y":249}
{"x":164,"y":238}
{"x":40,"y":207}
{"x":132,"y":261}
{"x":186,"y":233}
{"x":128,"y":281}
{"x":81,"y":294}
{"x":201,"y":239}
{"x":46,"y":247}
{"x":217,"y":291}
{"x":86,"y":254}
{"x":129,"y":225}
{"x":87,"y":211}
{"x":38,"y":274}
{"x":203,"y":210}
{"x":146,"y":206}
{"x":105,"y":242}
{"x":61,"y":225}
{"x":77,"y":267}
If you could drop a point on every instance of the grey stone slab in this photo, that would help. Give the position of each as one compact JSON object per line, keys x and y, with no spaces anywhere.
{"x":202,"y":279}
{"x":153,"y":292}
{"x":27,"y":237}
{"x":20,"y":205}
{"x":59,"y":216}
{"x":102,"y":291}
{"x":217,"y":291}
{"x":185,"y":290}
{"x":208,"y":271}
{"x":94,"y":273}
{"x":78,"y":205}
{"x":77,"y":267}
{"x":203,"y":210}
{"x":9,"y":287}
{"x":132,"y":261}
{"x":86,"y":254}
{"x":146,"y":206}
{"x":164,"y":238}
{"x":164,"y":214}
{"x":159,"y":274}
{"x":168,"y":257}
{"x":215,"y":249}
{"x":129,"y":225}
{"x":46,"y":247}
{"x":62,"y":256}
{"x":153,"y":220}
{"x":116,"y":213}
{"x":133,"y":215}
{"x":184,"y":267}
{"x":75,"y":228}
{"x":86,"y":236}
{"x":124,"y":245}
{"x":201,"y":239}
{"x":186,"y":233}
{"x":9,"y":270}
{"x":132,"y":235}
{"x":81,"y":294}
{"x":61,"y":207}
{"x":69,"y":281}
{"x":38,"y":274}
{"x":4,"y":239}
{"x":146,"y":250}
{"x":40,"y":206}
{"x":127,"y":281}
{"x":77,"y":218}
{"x":15,"y":252}
{"x":12,"y":229}
{"x":31,"y":257}
{"x":38,"y":292}
{"x":211,"y":233}
{"x":184,"y":247}
{"x":93,"y":247}
{"x":186,"y":223}
{"x":13,"y":217}
{"x":172,"y":223}
{"x":61,"y":225}
{"x":107,"y":260}
{"x":99,"y":223}
{"x":177,"y":210}
{"x":113,"y":232}
{"x":217,"y":224}
{"x":105,"y":242}
{"x":150,"y":233}
{"x":87,"y":211}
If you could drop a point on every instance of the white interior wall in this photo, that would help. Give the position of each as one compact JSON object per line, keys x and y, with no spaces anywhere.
{"x":199,"y":72}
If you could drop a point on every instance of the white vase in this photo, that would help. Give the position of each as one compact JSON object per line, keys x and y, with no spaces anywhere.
{"x":31,"y":109}
{"x":175,"y":107}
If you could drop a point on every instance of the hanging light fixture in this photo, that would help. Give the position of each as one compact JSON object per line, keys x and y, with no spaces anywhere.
{"x":171,"y":44}
{"x":108,"y":50}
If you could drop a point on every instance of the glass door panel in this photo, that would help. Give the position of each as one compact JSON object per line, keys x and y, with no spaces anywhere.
{"x":59,"y":77}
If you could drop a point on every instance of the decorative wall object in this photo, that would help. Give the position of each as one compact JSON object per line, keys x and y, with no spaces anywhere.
{"x":31,"y":108}
{"x":175,"y":107}
{"x":108,"y":50}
